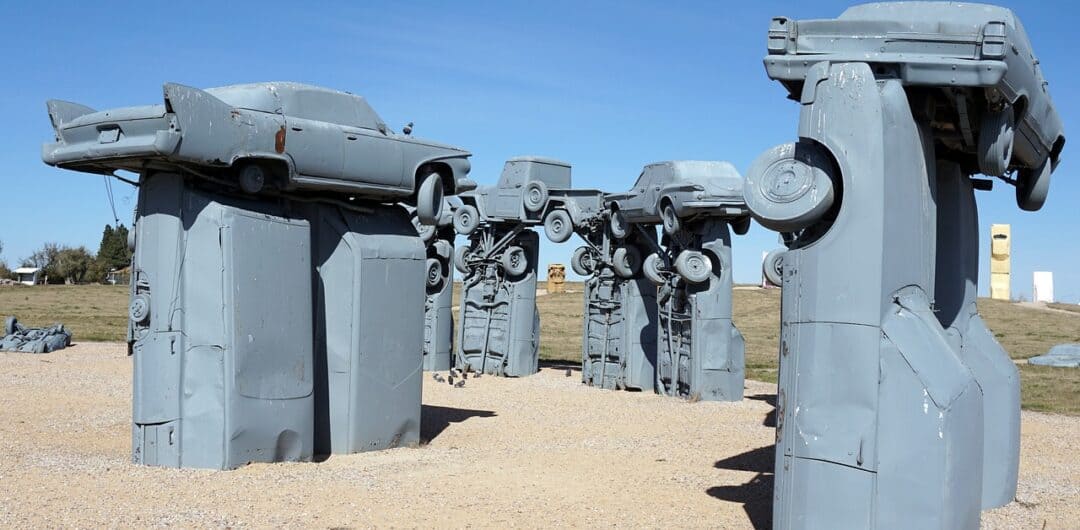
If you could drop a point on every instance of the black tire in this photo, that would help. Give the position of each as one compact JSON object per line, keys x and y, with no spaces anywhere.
{"x":558,"y":227}
{"x":535,"y":195}
{"x":252,"y":178}
{"x":996,"y":134}
{"x":466,"y":219}
{"x":515,"y":262}
{"x":1032,"y":186}
{"x":626,"y":261}
{"x":693,"y":266}
{"x":10,"y":325}
{"x":433,"y":271}
{"x":653,"y":269}
{"x":429,"y":199}
{"x":583,"y":263}
{"x":461,"y":262}
{"x":773,"y":267}
{"x":619,"y":228}
{"x":670,"y":218}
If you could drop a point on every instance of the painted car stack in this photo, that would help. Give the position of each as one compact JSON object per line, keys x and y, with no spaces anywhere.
{"x":292,"y":266}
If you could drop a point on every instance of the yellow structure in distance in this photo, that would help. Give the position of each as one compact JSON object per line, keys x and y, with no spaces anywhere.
{"x":1000,"y":267}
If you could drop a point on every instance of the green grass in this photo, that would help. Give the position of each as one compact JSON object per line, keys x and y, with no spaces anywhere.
{"x":98,"y":313}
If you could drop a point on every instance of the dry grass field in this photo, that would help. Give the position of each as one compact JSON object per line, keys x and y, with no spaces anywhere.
{"x":98,"y":313}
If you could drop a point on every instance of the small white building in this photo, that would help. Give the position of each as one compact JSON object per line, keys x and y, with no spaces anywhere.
{"x":1044,"y":286}
{"x":28,"y":275}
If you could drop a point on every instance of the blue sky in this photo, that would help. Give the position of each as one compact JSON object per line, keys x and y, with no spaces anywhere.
{"x":607,"y":86}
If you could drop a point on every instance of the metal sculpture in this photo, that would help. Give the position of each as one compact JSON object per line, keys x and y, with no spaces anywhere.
{"x":700,"y":353}
{"x":896,"y":407}
{"x":276,"y":305}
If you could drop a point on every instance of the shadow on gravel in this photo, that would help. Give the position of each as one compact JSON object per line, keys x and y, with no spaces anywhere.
{"x":770,"y":418}
{"x":435,"y":419}
{"x":756,"y":496}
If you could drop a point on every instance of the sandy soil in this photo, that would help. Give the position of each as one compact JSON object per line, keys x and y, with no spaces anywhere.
{"x":539,"y":451}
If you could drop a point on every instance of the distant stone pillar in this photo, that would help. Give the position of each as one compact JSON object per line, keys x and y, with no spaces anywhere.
{"x":1000,"y":266}
{"x":556,"y":278}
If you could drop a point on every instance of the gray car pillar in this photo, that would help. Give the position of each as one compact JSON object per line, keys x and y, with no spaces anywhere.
{"x":220,"y":330}
{"x":954,"y":301}
{"x":499,"y":326}
{"x":369,"y":327}
{"x":879,"y":419}
{"x":438,"y":316}
{"x":700,"y":352}
{"x":618,"y":347}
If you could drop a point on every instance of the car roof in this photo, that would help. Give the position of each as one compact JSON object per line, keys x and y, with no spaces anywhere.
{"x":301,"y":101}
{"x":931,"y":17}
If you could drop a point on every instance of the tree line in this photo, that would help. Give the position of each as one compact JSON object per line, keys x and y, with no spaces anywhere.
{"x":66,"y":264}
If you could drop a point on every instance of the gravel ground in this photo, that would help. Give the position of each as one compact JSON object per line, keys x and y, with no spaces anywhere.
{"x":539,"y":451}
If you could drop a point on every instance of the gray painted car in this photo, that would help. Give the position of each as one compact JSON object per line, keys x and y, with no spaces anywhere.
{"x":288,"y":136}
{"x":675,"y":191}
{"x":531,"y":190}
{"x":996,"y":115}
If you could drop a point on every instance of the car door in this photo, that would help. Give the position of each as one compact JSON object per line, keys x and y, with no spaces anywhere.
{"x":372,"y":157}
{"x":315,"y":147}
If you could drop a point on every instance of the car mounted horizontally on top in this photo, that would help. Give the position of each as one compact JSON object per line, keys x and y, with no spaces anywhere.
{"x":886,"y":368}
{"x":672,"y":192}
{"x":981,"y":87}
{"x":287,"y":136}
{"x":531,"y":190}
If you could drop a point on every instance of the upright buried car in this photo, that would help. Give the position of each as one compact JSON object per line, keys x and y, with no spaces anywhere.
{"x":288,"y":136}
{"x":982,"y":90}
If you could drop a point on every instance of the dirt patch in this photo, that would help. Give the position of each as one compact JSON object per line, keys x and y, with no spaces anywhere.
{"x":538,"y":451}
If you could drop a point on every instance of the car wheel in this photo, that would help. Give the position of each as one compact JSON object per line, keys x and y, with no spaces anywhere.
{"x":429,"y":199}
{"x":693,"y":266}
{"x":672,"y":225}
{"x":535,"y":196}
{"x":10,"y":325}
{"x":790,"y":186}
{"x":741,"y":225}
{"x":996,"y":134}
{"x":426,"y":232}
{"x":583,"y":262}
{"x":466,"y":219}
{"x":1032,"y":186}
{"x":461,"y":259}
{"x":653,"y":269}
{"x":558,"y":226}
{"x":773,"y":267}
{"x":514,"y":261}
{"x":619,"y":229}
{"x":626,"y":261}
{"x":252,"y":178}
{"x":434,"y":273}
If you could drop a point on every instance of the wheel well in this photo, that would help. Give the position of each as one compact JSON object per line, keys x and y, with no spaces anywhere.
{"x":277,"y":168}
{"x":1019,"y":108}
{"x":1055,"y":151}
{"x":443,"y":169}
